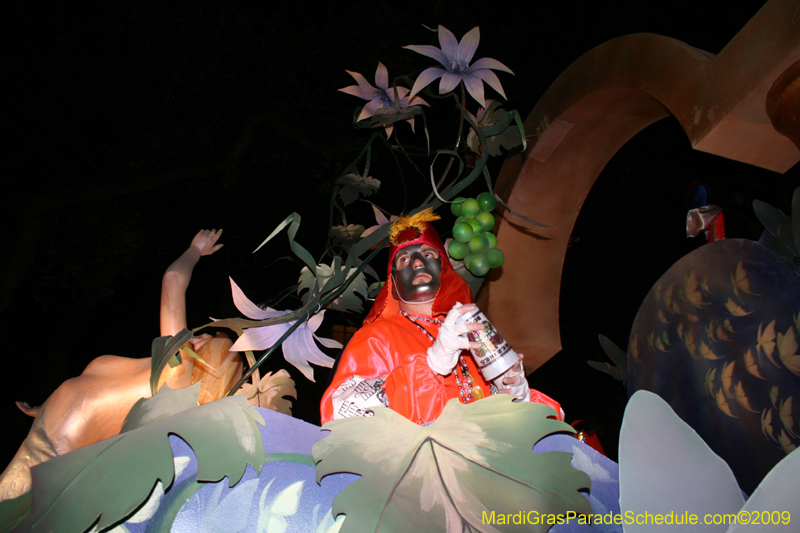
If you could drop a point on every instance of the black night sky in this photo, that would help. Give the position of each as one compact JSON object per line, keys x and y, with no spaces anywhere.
{"x":133,"y":125}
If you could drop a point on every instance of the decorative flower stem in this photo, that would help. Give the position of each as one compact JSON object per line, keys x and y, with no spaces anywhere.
{"x":458,"y":144}
{"x":332,"y":296}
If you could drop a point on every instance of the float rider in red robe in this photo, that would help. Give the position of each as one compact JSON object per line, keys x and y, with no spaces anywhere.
{"x":411,"y":355}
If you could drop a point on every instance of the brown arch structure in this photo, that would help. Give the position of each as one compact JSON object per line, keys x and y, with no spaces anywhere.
{"x":594,"y":107}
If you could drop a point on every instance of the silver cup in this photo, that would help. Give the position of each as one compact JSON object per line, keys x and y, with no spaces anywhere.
{"x":495,"y":355}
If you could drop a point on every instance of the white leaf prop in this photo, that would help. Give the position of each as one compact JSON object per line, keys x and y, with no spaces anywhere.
{"x":777,"y":495}
{"x":665,"y":467}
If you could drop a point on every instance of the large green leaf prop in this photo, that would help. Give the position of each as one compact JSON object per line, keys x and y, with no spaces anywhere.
{"x":166,"y":403}
{"x":474,"y":459}
{"x":111,"y":478}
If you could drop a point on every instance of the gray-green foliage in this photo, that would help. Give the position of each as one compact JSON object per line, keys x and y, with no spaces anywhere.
{"x":349,"y":300}
{"x":507,"y":138}
{"x":107,"y":481}
{"x":785,"y":229}
{"x":618,"y":356}
{"x":473,"y":458}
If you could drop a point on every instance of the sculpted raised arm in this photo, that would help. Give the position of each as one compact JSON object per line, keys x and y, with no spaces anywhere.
{"x":173,"y":300}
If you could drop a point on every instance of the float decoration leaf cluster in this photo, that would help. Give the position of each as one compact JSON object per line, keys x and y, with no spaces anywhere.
{"x":475,"y":458}
{"x":107,"y":481}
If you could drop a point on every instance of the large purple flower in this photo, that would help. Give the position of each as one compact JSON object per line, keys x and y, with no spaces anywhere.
{"x":382,"y":98}
{"x":455,"y":57}
{"x":299,"y":349}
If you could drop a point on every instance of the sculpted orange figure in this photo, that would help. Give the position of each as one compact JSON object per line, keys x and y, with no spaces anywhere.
{"x":93,"y":406}
{"x":410,"y":355}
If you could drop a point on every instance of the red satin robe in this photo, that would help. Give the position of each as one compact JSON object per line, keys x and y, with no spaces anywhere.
{"x":394,"y":347}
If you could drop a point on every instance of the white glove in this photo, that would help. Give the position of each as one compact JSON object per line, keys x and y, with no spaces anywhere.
{"x":513,"y":382}
{"x":452,"y":338}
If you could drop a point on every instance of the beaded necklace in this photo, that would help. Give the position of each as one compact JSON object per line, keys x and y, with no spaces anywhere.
{"x":467,"y":388}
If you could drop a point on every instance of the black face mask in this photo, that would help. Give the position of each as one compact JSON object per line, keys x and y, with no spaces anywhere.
{"x":417,"y":264}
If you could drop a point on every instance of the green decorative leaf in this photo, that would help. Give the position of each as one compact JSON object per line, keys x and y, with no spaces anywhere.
{"x":475,"y":458}
{"x":240,"y":324}
{"x":193,"y":354}
{"x":14,"y":511}
{"x":384,"y":117}
{"x":507,"y":137}
{"x":617,"y":356}
{"x":347,"y":235}
{"x":166,"y":403}
{"x":776,"y":223}
{"x":293,"y":221}
{"x":607,"y":368}
{"x":375,"y":288}
{"x":111,"y":478}
{"x":162,"y":351}
{"x":355,"y":186}
{"x":349,"y":300}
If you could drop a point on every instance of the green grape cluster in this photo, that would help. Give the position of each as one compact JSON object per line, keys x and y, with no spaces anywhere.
{"x":473,"y":240}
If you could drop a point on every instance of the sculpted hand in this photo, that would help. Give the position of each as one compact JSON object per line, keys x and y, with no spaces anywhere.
{"x":452,"y":338}
{"x":205,"y":241}
{"x":513,"y":382}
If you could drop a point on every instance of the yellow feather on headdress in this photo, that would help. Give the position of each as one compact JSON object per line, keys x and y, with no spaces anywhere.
{"x":418,"y":221}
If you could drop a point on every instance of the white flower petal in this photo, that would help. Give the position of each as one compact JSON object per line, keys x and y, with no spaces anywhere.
{"x":474,"y":86}
{"x":355,"y":90}
{"x":382,"y":77}
{"x":448,"y":43}
{"x":491,"y":79}
{"x":380,"y":218}
{"x":328,"y":343}
{"x":425,"y":78}
{"x":295,"y":357}
{"x":316,"y":321}
{"x":401,"y":92}
{"x":449,"y":82}
{"x":369,"y":108}
{"x":248,"y":308}
{"x":468,"y":45}
{"x":364,"y":85}
{"x":417,"y":100}
{"x":299,"y":349}
{"x":488,"y":62}
{"x":260,"y":338}
{"x":430,"y":51}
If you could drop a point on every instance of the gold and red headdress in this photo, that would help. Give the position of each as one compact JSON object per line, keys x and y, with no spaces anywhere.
{"x":408,"y":231}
